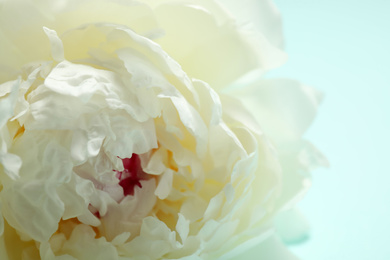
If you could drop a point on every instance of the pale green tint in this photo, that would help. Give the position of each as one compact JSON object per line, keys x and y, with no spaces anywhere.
{"x":342,"y":48}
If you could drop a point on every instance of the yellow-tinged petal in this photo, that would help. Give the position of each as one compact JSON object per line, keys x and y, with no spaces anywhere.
{"x":258,"y":15}
{"x":1,"y":222}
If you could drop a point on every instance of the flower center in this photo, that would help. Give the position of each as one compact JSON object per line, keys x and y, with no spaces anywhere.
{"x":131,"y":175}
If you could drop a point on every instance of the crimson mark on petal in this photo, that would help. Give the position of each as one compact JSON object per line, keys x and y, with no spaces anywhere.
{"x":131,"y":175}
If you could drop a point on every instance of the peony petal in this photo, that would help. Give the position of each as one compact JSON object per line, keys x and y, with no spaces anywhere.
{"x":191,"y":257}
{"x":8,"y":97}
{"x":127,"y":89}
{"x":281,"y":104}
{"x":132,"y":14}
{"x":193,"y":208}
{"x":33,"y":208}
{"x":155,"y":165}
{"x":22,"y":39}
{"x":9,"y":53}
{"x":295,"y":184}
{"x":261,"y":15}
{"x":3,"y":251}
{"x":56,"y":161}
{"x":210,"y":104}
{"x":272,"y":248}
{"x":12,"y":164}
{"x":79,"y":81}
{"x":164,"y":186}
{"x":291,"y":226}
{"x":82,"y":244}
{"x":45,"y":252}
{"x":214,"y":51}
{"x":121,"y":239}
{"x":21,"y":25}
{"x":22,"y":106}
{"x":74,"y":195}
{"x":183,"y":227}
{"x":1,"y":223}
{"x":216,"y":234}
{"x":239,"y":247}
{"x":130,"y":212}
{"x":154,"y":234}
{"x":57,"y":48}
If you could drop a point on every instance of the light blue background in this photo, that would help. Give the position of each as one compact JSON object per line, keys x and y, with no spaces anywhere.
{"x":343,"y":48}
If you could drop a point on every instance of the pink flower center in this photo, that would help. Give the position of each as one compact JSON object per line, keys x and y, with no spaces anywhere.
{"x":131,"y":175}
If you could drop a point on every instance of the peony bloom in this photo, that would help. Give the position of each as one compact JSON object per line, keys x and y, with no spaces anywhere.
{"x":127,"y":131}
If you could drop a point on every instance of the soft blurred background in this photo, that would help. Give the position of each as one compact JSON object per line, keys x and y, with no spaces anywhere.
{"x":342,"y":48}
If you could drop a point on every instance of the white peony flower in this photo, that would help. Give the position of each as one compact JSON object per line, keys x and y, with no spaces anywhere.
{"x":119,"y":138}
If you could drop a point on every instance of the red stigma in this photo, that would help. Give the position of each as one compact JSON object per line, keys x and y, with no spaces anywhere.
{"x":131,"y":175}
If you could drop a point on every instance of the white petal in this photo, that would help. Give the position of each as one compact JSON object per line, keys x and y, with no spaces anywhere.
{"x":193,"y":208}
{"x":22,"y":39}
{"x":22,"y":105}
{"x":291,"y":226}
{"x":215,"y":53}
{"x":82,"y":244}
{"x":8,"y":97}
{"x":79,"y":81}
{"x":33,"y":208}
{"x":214,"y":207}
{"x":261,"y":15}
{"x":216,"y":234}
{"x":70,"y":194}
{"x":56,"y":161}
{"x":164,"y":186}
{"x":182,"y":227}
{"x":210,"y":103}
{"x":155,"y":165}
{"x":235,"y":111}
{"x":12,"y":164}
{"x":129,"y":213}
{"x":272,"y":248}
{"x":154,"y":234}
{"x":283,"y":108}
{"x":46,"y":252}
{"x":57,"y":48}
{"x":121,"y":239}
{"x":7,"y":88}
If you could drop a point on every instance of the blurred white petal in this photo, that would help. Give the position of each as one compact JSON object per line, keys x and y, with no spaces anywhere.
{"x":283,"y":108}
{"x":260,"y":15}
{"x":271,"y":249}
{"x":291,"y":226}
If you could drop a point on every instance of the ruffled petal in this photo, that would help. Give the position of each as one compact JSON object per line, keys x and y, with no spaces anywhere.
{"x":208,"y":179}
{"x":82,"y":244}
{"x":8,"y":97}
{"x":33,"y":208}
